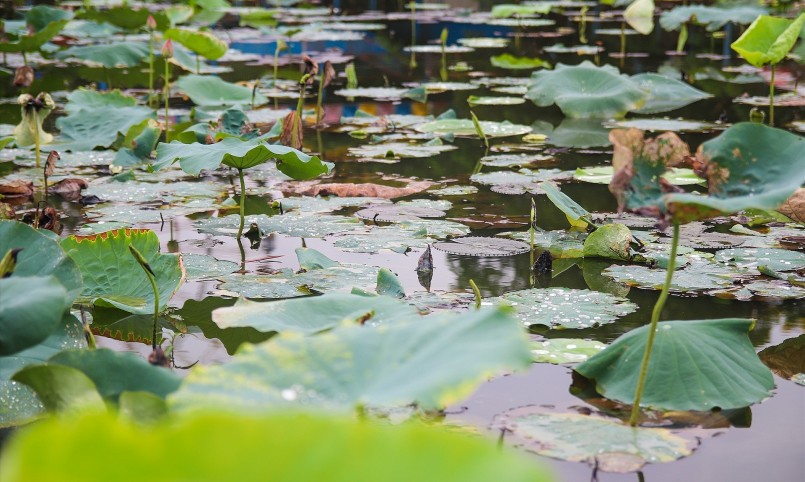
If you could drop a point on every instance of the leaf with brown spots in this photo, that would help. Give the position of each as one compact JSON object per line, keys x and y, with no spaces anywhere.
{"x":794,"y":207}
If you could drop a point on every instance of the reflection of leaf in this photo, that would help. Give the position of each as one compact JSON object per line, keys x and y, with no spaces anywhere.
{"x":426,"y":361}
{"x":786,"y":359}
{"x":595,"y":440}
{"x":696,"y":365}
{"x":279,"y":444}
{"x":199,"y":314}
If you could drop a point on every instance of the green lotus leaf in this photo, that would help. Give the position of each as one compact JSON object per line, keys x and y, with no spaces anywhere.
{"x":603,"y":175}
{"x":83,"y":98}
{"x":695,"y":365}
{"x":31,"y":308}
{"x":640,"y":16}
{"x":61,"y":389}
{"x":118,"y":54}
{"x":201,"y":43}
{"x":395,"y":150}
{"x":512,"y":62}
{"x":484,"y":100}
{"x":139,"y":144}
{"x":560,"y":243}
{"x":41,"y":256}
{"x":609,"y":241}
{"x":313,"y":315}
{"x":465,"y":127}
{"x":771,"y":258}
{"x":511,"y":10}
{"x":39,"y":16}
{"x":400,"y":237}
{"x":208,"y":90}
{"x":698,"y":275}
{"x":561,"y":351}
{"x":112,"y":277}
{"x":665,"y":93}
{"x":564,"y":308}
{"x":431,"y":362}
{"x":714,"y":18}
{"x":32,"y":43}
{"x":113,"y":372}
{"x":521,"y":181}
{"x":239,"y":154}
{"x":279,"y":444}
{"x":575,"y":214}
{"x":389,"y":284}
{"x":20,"y":403}
{"x":578,"y":133}
{"x":585,"y":90}
{"x":88,"y":128}
{"x":584,"y":438}
{"x":202,"y":266}
{"x":142,"y":407}
{"x":768,"y":39}
{"x":749,"y":165}
{"x":291,"y":223}
{"x":125,"y":17}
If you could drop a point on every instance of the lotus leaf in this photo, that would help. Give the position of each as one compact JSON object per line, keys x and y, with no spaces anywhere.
{"x":586,"y":90}
{"x":40,"y":16}
{"x":125,"y":17}
{"x":88,"y":128}
{"x":603,"y":175}
{"x":482,"y":246}
{"x":201,"y":43}
{"x":435,"y":49}
{"x":400,"y":238}
{"x":276,"y":444}
{"x":208,"y":90}
{"x":771,"y":258}
{"x":118,"y":54}
{"x":290,"y":224}
{"x":138,"y":145}
{"x":426,"y":362}
{"x":475,"y":100}
{"x":197,"y":315}
{"x":577,"y":133}
{"x":61,"y":388}
{"x":768,"y":39}
{"x":40,"y":255}
{"x":609,"y":241}
{"x":239,"y":154}
{"x":564,"y":308}
{"x":584,"y":438}
{"x":786,"y":359}
{"x":32,"y":43}
{"x":309,"y":316}
{"x":484,"y":42}
{"x":319,"y":204}
{"x":699,"y":275}
{"x":575,"y":214}
{"x":511,"y":10}
{"x":465,"y":127}
{"x":519,"y":182}
{"x":83,"y":98}
{"x":664,"y":124}
{"x":665,"y":93}
{"x":112,"y":277}
{"x":380,"y":93}
{"x":202,"y":266}
{"x":714,"y":18}
{"x":509,"y":61}
{"x":561,"y":351}
{"x":31,"y":308}
{"x":515,"y":160}
{"x":560,"y":243}
{"x":696,"y":365}
{"x":394,"y":150}
{"x":749,"y":165}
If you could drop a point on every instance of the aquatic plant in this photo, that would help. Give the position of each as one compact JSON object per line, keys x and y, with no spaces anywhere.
{"x":29,"y":131}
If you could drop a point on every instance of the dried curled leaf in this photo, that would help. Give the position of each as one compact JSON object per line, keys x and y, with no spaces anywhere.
{"x":328,"y":75}
{"x":69,"y":189}
{"x":17,"y":188}
{"x":50,"y":164}
{"x":362,"y":190}
{"x":24,"y":76}
{"x":311,"y":68}
{"x":289,"y":125}
{"x":794,"y":206}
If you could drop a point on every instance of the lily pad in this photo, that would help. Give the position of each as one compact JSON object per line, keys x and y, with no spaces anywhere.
{"x":392,"y":213}
{"x":118,"y":54}
{"x":484,"y":42}
{"x":208,"y":90}
{"x":395,"y":150}
{"x":564,"y":308}
{"x":603,"y":175}
{"x":400,"y":237}
{"x":664,"y":124}
{"x":666,"y":94}
{"x":483,"y":100}
{"x":202,"y":266}
{"x":466,"y":128}
{"x":560,"y":243}
{"x":509,"y":61}
{"x":688,"y":366}
{"x":586,"y":90}
{"x":482,"y":246}
{"x":291,"y":223}
{"x":562,"y":351}
{"x":699,"y":275}
{"x":609,"y":241}
{"x":519,"y":182}
{"x":112,"y":277}
{"x":423,"y":362}
{"x":313,"y":315}
{"x":771,"y":258}
{"x":584,"y":438}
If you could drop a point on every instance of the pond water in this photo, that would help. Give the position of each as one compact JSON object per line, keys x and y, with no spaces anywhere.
{"x":765,"y":441}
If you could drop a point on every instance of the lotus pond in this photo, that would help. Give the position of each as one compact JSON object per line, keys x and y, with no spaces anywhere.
{"x":547,"y":241}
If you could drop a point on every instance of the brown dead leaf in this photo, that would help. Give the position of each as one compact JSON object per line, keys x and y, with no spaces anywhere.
{"x":7,"y":211}
{"x":794,"y":206}
{"x":311,"y":68}
{"x":50,"y":164}
{"x":359,"y":190}
{"x":17,"y":188}
{"x":24,"y":76}
{"x":69,"y":189}
{"x":329,"y":73}
{"x":289,"y":124}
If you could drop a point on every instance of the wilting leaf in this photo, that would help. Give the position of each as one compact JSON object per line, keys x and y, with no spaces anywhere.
{"x":424,"y":361}
{"x":585,"y":438}
{"x":34,"y":110}
{"x":565,"y":308}
{"x":786,"y":359}
{"x":640,"y":16}
{"x":112,"y":277}
{"x":19,"y":187}
{"x":768,"y":39}
{"x":276,"y":444}
{"x":695,"y":365}
{"x":585,"y":90}
{"x":794,"y":206}
{"x":312,"y":315}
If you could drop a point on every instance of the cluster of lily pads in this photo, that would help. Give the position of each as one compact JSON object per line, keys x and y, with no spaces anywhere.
{"x":319,"y":350}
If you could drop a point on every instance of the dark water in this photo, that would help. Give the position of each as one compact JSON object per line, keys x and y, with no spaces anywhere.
{"x":770,"y":442}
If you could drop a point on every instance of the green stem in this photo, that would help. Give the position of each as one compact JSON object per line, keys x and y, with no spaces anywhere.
{"x":242,"y":202}
{"x":151,"y":69}
{"x":655,"y":318}
{"x":24,"y":59}
{"x":318,"y":100}
{"x":37,"y":141}
{"x":299,"y":105}
{"x":771,"y":98}
{"x":276,"y":67}
{"x":412,"y":62}
{"x":149,"y":273}
{"x":477,"y":294}
{"x":167,"y":97}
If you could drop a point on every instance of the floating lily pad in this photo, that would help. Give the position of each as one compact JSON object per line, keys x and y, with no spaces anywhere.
{"x":202,"y":266}
{"x":209,"y":90}
{"x":699,"y":275}
{"x":515,"y":160}
{"x":395,"y":150}
{"x":400,"y":237}
{"x":603,"y":175}
{"x":677,"y":125}
{"x":383,"y":366}
{"x":564,"y":308}
{"x":561,"y":351}
{"x":117,"y":54}
{"x":313,"y":315}
{"x":291,"y":224}
{"x":688,"y":366}
{"x":509,"y":61}
{"x":437,"y":49}
{"x":392,"y":213}
{"x":475,"y":100}
{"x":519,"y":182}
{"x":609,"y":241}
{"x":584,"y":438}
{"x":455,"y":191}
{"x":482,"y":246}
{"x":773,"y":289}
{"x":318,"y":204}
{"x":560,"y":243}
{"x":666,"y":93}
{"x":438,"y":87}
{"x":577,"y":133}
{"x":484,"y":42}
{"x":774,"y":259}
{"x":379,"y":93}
{"x":714,"y":18}
{"x":465,"y":127}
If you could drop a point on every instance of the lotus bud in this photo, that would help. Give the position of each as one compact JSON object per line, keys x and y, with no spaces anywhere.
{"x":167,"y":49}
{"x":151,"y":23}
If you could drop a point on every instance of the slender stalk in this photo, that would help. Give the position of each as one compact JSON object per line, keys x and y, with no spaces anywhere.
{"x":167,"y":97}
{"x":149,"y":273}
{"x":583,"y":26}
{"x":24,"y":59}
{"x":623,"y":44}
{"x":37,"y":142}
{"x":151,"y":68}
{"x":655,"y":317}
{"x":771,"y":98}
{"x":318,"y":99}
{"x":295,"y":141}
{"x":242,"y":202}
{"x":412,"y":62}
{"x":477,"y":294}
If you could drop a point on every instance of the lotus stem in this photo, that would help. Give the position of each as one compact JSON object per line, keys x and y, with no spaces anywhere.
{"x":167,"y":98}
{"x":412,"y":62}
{"x":242,"y":202}
{"x":318,"y":99}
{"x":24,"y":58}
{"x":771,"y":98}
{"x":295,"y":141}
{"x":149,"y":273}
{"x":583,"y":26}
{"x":623,"y":44}
{"x":479,"y":130}
{"x":477,"y":294}
{"x":37,"y":142}
{"x":655,"y":317}
{"x":151,"y":68}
